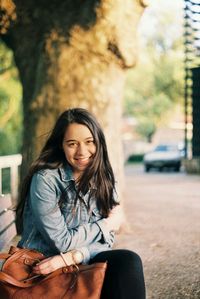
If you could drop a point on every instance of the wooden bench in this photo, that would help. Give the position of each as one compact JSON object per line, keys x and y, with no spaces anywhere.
{"x":7,"y":221}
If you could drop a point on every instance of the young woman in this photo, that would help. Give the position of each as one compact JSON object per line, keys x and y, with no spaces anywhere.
{"x":70,"y":206}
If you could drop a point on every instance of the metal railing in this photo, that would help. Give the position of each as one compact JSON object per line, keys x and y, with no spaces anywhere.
{"x":13,"y":162}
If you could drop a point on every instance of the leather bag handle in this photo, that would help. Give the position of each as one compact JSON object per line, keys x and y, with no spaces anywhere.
{"x":4,"y":277}
{"x":4,"y":256}
{"x":15,"y":255}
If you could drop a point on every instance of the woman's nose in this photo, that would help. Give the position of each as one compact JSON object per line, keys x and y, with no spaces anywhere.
{"x":82,"y":149}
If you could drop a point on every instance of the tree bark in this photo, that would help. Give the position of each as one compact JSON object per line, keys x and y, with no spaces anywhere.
{"x":71,"y":54}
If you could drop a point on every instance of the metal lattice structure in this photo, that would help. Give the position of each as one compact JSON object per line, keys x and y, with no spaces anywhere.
{"x":192,"y":74}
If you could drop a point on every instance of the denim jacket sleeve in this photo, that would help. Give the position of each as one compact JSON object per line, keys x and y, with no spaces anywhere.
{"x":93,"y":249}
{"x":50,"y":221}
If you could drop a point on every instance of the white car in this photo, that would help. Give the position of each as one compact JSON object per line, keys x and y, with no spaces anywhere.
{"x":164,"y":155}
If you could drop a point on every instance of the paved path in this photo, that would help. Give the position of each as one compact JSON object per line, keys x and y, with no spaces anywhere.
{"x":163,"y":210}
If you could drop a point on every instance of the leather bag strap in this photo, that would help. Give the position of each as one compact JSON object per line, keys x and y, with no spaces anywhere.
{"x":4,"y":277}
{"x":15,"y":255}
{"x":4,"y":256}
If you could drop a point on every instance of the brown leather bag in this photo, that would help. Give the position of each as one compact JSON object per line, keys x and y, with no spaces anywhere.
{"x":74,"y":282}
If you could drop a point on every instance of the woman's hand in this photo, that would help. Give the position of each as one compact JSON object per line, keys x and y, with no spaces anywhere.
{"x":115,"y":218}
{"x":52,"y":263}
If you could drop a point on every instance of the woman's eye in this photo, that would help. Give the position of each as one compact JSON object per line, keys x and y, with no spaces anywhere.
{"x":73,"y":144}
{"x":90,"y":141}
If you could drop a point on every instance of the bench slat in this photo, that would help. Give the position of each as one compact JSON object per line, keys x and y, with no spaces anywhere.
{"x":5,"y":202}
{"x":8,"y":235}
{"x":5,"y":219}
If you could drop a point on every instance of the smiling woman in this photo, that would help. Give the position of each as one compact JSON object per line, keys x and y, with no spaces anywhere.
{"x":70,"y":206}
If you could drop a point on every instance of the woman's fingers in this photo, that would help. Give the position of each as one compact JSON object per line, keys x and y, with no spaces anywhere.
{"x":48,"y":265}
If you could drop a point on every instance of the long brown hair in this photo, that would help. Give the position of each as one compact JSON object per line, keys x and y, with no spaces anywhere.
{"x":99,"y":171}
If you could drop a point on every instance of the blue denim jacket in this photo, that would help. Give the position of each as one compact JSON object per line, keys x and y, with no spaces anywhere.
{"x":52,"y":226}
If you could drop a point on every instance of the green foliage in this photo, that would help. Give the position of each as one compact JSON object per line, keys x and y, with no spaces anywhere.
{"x":155,"y":85}
{"x":10,"y":104}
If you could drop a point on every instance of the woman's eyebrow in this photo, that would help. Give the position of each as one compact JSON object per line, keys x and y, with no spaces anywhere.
{"x":89,"y":138}
{"x":70,"y":140}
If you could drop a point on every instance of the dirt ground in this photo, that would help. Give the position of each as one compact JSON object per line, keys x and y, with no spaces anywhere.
{"x":163,"y":211}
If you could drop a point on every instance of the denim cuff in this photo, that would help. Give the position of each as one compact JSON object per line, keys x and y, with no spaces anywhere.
{"x":104,"y":229}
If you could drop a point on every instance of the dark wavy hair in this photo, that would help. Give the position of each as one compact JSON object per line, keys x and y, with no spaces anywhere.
{"x":99,"y":171}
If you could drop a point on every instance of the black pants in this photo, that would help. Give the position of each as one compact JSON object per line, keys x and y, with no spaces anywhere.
{"x":124,"y":275}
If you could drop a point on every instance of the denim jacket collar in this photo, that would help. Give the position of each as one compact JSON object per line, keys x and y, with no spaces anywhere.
{"x":66,"y":173}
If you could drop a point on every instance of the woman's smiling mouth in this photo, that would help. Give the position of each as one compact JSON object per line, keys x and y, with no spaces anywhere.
{"x":82,"y":161}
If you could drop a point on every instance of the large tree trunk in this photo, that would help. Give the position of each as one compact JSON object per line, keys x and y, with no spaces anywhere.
{"x":69,"y":54}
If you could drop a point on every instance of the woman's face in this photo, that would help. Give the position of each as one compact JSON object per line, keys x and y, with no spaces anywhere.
{"x":79,"y":147}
